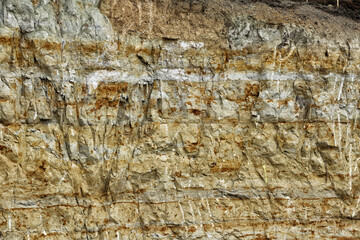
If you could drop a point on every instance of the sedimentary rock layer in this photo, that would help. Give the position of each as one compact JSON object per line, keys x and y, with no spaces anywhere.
{"x":178,"y":120}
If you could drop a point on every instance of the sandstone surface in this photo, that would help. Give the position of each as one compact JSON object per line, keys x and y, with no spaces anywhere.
{"x":169,"y":119}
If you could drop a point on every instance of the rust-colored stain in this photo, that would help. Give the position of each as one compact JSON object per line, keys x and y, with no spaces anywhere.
{"x":196,"y":112}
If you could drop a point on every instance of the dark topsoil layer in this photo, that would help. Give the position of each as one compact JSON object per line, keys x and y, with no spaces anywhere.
{"x":347,"y":8}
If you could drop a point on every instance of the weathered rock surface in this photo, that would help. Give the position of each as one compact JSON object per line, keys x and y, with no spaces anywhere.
{"x":169,"y":119}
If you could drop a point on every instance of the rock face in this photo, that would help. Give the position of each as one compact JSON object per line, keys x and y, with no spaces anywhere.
{"x":219,"y":119}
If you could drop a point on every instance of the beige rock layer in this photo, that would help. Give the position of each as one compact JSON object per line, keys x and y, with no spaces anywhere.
{"x":178,"y":120}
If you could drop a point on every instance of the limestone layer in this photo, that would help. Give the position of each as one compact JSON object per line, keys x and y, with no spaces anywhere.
{"x":164,"y":119}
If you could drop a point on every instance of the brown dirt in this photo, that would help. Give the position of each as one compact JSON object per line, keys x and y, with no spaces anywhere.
{"x":209,"y":20}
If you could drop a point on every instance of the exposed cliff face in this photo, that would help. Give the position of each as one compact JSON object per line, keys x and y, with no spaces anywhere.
{"x":178,"y":120}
